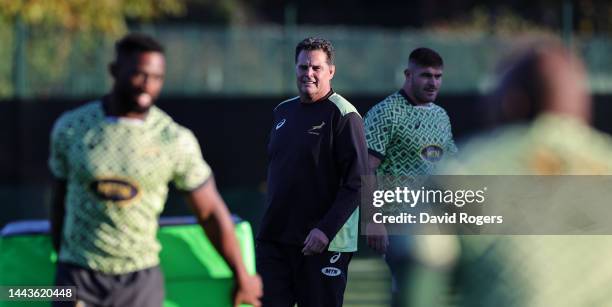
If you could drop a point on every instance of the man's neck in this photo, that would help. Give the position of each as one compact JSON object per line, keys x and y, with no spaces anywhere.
{"x":307,"y":99}
{"x":412,"y":98}
{"x":113,"y":107}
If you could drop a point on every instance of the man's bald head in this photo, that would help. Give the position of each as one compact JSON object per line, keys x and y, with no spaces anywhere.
{"x":547,"y":78}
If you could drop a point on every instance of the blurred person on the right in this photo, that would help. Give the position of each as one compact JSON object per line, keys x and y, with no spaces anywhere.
{"x":545,"y":110}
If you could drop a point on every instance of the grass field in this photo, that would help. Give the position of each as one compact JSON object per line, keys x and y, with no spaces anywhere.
{"x":369,"y":283}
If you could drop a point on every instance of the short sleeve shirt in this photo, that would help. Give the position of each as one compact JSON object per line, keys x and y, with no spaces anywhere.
{"x":409,"y":139}
{"x":117,"y":172}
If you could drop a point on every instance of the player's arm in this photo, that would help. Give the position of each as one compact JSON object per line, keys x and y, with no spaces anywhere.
{"x":59,"y":167}
{"x":58,"y":210}
{"x":373,"y":162}
{"x":451,"y":147}
{"x":379,"y":129}
{"x":215,"y":219}
{"x":350,"y":153}
{"x":376,"y":234}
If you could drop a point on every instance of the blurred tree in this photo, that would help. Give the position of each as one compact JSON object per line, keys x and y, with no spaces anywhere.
{"x":45,"y":41}
{"x":40,"y":38}
{"x":108,"y":16}
{"x":588,"y":17}
{"x":214,"y":12}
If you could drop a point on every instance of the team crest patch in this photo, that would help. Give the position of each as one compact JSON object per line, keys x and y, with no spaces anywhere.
{"x":432,"y":153}
{"x":113,"y":189}
{"x":316,"y":129}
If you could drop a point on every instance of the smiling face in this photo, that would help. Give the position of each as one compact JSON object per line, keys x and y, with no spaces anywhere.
{"x":423,"y":83}
{"x":314,"y":74}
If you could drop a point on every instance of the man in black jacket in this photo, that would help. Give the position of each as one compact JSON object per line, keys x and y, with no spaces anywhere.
{"x":317,"y":155}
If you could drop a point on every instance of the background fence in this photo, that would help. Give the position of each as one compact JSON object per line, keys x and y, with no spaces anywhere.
{"x":258,"y":61}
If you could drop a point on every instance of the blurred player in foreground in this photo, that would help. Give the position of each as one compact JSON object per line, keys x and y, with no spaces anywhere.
{"x":544,"y":100}
{"x":113,"y":159}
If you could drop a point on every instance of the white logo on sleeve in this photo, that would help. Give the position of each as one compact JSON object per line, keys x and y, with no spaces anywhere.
{"x":331,"y":271}
{"x":280,"y":124}
{"x":335,"y":258}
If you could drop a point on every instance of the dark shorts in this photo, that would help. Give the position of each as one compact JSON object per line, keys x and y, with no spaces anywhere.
{"x":289,"y":277}
{"x":142,"y":288}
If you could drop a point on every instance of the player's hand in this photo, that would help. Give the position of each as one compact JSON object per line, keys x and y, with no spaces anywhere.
{"x":315,"y":242}
{"x":248,"y":291}
{"x":377,"y":237}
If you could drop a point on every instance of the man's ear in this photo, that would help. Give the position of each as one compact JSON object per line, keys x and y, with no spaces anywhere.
{"x":332,"y":70}
{"x":407,"y":73}
{"x":112,"y":69}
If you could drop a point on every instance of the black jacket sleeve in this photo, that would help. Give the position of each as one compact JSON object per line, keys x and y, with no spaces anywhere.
{"x":350,"y":153}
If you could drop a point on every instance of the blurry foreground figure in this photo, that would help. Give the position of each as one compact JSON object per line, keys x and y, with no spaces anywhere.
{"x":545,"y":106}
{"x":113,"y":159}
